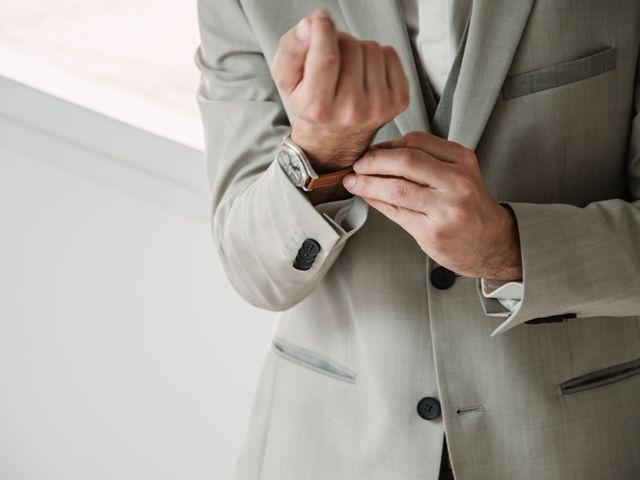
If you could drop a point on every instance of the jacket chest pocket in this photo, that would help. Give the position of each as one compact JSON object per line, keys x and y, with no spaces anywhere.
{"x":553,"y":76}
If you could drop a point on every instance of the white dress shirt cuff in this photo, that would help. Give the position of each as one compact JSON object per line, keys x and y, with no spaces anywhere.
{"x":508,"y":293}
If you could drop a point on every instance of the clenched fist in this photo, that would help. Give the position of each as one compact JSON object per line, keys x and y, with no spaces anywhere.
{"x":340,"y":89}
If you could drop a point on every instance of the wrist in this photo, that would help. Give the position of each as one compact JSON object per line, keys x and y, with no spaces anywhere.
{"x":329,"y":150}
{"x":506,"y":262}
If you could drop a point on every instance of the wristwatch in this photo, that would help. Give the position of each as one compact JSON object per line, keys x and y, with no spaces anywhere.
{"x":298,"y":168}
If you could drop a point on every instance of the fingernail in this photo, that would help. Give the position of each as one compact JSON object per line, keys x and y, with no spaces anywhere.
{"x":349,"y":180}
{"x":356,"y":164}
{"x":302,"y":29}
{"x":321,"y":12}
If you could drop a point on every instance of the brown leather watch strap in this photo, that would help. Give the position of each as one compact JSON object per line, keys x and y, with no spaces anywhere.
{"x":328,"y":179}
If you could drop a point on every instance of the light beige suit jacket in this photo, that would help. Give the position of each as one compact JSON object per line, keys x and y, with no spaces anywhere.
{"x":548,"y":99}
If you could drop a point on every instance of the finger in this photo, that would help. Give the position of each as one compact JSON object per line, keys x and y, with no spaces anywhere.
{"x":396,"y":77}
{"x":288,"y":63}
{"x":375,"y":73}
{"x":409,"y":163}
{"x":394,"y":190}
{"x":351,"y":80}
{"x":407,"y":219}
{"x":322,"y":66}
{"x":438,"y":147}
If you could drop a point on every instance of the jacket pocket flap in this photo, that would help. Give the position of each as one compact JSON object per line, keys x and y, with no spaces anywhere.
{"x":600,"y":377}
{"x":560,"y":74}
{"x":313,"y":360}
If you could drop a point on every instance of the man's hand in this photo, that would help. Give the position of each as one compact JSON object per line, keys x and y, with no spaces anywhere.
{"x":433,"y":188}
{"x":341,"y":89}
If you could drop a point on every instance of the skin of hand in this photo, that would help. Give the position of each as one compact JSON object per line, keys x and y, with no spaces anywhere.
{"x":433,"y":188}
{"x":341,"y":89}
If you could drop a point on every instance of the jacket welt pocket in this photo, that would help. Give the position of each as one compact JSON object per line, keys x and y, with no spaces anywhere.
{"x":313,"y":360}
{"x":563,"y":73}
{"x":600,"y":377}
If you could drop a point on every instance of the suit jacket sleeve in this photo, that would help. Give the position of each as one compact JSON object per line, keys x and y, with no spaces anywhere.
{"x":259,"y":218}
{"x":583,"y":261}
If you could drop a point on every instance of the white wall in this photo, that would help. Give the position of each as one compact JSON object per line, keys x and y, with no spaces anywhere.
{"x":124,"y":351}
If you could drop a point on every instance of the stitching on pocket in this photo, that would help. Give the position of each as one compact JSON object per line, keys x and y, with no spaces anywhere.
{"x":313,"y":360}
{"x":600,"y":377}
{"x":559,"y":74}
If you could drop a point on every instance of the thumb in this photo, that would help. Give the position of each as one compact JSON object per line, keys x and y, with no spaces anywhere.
{"x":288,"y":64}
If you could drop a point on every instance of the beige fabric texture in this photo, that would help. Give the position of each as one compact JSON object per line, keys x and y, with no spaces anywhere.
{"x":363,"y":335}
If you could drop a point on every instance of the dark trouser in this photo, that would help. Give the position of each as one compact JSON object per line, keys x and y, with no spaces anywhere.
{"x":446,"y":473}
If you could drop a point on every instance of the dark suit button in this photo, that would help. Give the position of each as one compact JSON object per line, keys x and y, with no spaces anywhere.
{"x":306,"y":254}
{"x":429,"y":408}
{"x":310,"y":247}
{"x":301,"y":266}
{"x":442,"y":278}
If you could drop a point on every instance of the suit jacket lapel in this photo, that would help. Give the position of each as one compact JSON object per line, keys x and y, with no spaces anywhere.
{"x":495,"y":30}
{"x":494,"y":33}
{"x":384,"y":22}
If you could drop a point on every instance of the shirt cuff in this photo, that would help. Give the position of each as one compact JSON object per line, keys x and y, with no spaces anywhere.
{"x":508,"y":293}
{"x":343,"y":215}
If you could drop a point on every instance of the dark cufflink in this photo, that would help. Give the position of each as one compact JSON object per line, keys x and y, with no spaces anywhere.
{"x":553,"y":318}
{"x":306,"y":254}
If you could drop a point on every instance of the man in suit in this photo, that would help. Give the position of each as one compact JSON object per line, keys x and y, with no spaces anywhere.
{"x":475,"y":294}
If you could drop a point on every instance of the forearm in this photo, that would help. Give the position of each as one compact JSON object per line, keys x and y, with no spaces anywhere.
{"x":259,"y":232}
{"x":579,"y":261}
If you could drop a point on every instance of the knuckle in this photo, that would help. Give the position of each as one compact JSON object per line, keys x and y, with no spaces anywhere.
{"x":466,"y":155}
{"x":412,"y":139}
{"x":329,"y":60}
{"x":403,"y":99}
{"x":377,"y":111}
{"x":324,"y":24}
{"x":351,"y":114}
{"x":389,"y":50}
{"x":363,"y":185}
{"x":464,"y":185}
{"x":458,"y":146}
{"x":407,"y":159}
{"x":399,"y":190}
{"x":371,"y":46}
{"x":458,"y":214}
{"x":318,"y":112}
{"x":370,"y":159}
{"x":437,"y":234}
{"x":349,"y":45}
{"x":347,"y":40}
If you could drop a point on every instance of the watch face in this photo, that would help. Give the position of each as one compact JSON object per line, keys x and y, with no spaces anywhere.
{"x":292,"y":166}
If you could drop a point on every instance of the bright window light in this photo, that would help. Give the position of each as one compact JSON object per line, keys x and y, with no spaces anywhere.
{"x":129,"y":59}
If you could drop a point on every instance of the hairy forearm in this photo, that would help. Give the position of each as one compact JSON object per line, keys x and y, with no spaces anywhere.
{"x":507,"y":263}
